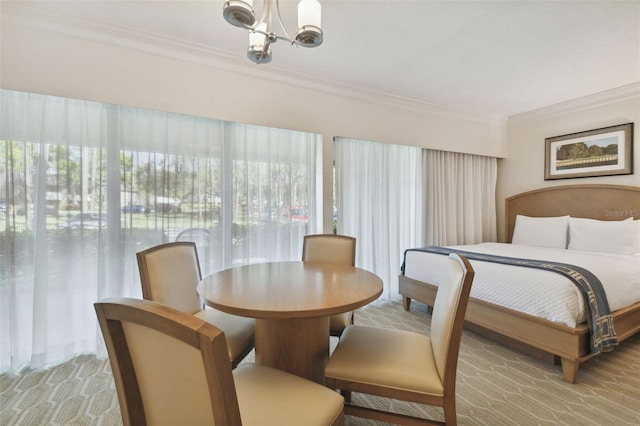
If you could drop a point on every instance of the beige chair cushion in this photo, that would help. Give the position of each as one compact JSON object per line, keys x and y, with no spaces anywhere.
{"x":267,"y":396}
{"x":174,"y":275}
{"x":328,"y":252}
{"x":329,"y":249}
{"x":392,"y":358}
{"x":182,"y":382}
{"x":238,"y":331}
{"x":444,"y":310}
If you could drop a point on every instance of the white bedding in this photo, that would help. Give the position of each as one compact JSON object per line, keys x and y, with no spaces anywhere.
{"x":536,"y":292}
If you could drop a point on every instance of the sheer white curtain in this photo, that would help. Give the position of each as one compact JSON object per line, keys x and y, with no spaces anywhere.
{"x":460,"y":205}
{"x":86,"y":185}
{"x":379,"y":201}
{"x":393,"y":197}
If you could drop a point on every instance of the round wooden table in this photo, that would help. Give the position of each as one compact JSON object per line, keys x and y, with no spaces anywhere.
{"x":291,"y":302}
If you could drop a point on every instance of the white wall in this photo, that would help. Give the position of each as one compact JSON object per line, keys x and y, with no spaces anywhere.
{"x":49,"y":59}
{"x":523,"y":169}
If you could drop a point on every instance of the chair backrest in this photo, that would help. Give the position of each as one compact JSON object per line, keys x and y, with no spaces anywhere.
{"x":329,"y":248}
{"x":447,"y":318}
{"x":170,"y":273}
{"x":169,"y":367}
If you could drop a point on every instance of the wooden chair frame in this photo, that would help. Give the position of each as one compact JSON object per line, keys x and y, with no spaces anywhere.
{"x":186,"y":328}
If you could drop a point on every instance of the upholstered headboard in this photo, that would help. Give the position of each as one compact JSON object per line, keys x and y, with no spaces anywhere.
{"x":602,"y":202}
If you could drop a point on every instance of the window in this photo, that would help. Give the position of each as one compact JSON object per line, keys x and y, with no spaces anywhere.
{"x":87,"y":185}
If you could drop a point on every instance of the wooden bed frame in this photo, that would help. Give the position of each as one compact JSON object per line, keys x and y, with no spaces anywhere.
{"x":568,"y":346}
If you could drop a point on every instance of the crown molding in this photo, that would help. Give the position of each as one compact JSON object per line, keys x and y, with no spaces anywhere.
{"x":178,"y":49}
{"x":606,"y":97}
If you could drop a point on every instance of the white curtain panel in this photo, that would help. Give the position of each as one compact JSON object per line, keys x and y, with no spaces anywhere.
{"x":393,"y":197}
{"x":460,"y":204}
{"x":86,"y":185}
{"x":379,"y":201}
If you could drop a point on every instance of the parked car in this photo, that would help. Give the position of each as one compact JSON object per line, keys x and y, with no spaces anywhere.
{"x":295,"y":214}
{"x":169,"y":207}
{"x":135,"y":208}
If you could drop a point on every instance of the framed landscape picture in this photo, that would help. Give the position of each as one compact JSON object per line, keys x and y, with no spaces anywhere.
{"x":600,"y":152}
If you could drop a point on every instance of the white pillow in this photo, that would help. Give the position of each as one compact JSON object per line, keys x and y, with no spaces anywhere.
{"x":541,"y":231}
{"x":605,"y":236}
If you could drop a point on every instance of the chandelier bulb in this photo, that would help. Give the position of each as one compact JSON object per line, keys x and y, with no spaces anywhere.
{"x":309,"y":13}
{"x":239,"y":13}
{"x":309,"y":36}
{"x":259,"y":56}
{"x":259,"y":42}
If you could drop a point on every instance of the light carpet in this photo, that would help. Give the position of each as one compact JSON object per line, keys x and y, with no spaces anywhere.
{"x":496,"y":385}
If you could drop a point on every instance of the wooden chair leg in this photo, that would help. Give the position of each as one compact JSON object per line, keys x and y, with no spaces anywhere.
{"x":449,"y":407}
{"x":346,"y":395}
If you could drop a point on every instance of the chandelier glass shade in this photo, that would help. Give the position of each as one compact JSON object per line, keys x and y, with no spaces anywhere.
{"x":240,"y":13}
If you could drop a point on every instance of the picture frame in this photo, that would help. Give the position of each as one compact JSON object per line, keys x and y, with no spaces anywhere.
{"x":600,"y":152}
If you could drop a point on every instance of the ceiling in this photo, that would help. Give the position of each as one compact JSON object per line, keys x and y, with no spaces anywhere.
{"x":498,"y":58}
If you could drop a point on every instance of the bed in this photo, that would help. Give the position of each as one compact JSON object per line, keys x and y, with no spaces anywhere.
{"x":553,"y":338}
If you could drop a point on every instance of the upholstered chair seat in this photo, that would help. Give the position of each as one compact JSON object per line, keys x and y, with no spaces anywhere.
{"x":239,"y":331}
{"x":265,"y":393}
{"x":402,"y":353}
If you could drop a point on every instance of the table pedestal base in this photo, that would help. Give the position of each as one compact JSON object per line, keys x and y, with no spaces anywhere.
{"x":299,"y":346}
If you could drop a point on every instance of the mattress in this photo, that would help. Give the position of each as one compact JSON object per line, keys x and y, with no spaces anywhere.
{"x":540,"y":293}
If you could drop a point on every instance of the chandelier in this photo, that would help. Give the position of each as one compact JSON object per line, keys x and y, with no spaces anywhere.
{"x":261,"y":31}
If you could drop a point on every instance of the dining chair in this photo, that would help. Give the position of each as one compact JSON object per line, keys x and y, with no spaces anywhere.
{"x":331,"y":248}
{"x":170,"y":273}
{"x":406,"y":365}
{"x":172,"y":368}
